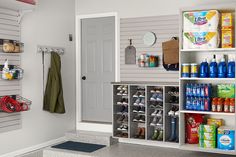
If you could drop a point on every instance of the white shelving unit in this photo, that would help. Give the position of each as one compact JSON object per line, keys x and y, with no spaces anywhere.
{"x":197,"y":56}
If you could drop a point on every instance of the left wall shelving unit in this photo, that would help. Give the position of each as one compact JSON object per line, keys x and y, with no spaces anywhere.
{"x":10,"y":29}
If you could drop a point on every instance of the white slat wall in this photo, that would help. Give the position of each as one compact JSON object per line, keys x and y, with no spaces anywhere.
{"x":164,"y":27}
{"x":9,"y":29}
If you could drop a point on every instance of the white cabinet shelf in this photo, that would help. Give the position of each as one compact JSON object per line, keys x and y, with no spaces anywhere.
{"x":208,"y":79}
{"x":210,"y":50}
{"x":208,"y":112}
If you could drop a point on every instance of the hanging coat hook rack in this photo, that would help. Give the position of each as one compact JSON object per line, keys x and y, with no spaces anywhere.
{"x":49,"y":49}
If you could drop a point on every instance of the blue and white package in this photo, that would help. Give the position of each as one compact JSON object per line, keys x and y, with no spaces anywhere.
{"x":226,"y":138}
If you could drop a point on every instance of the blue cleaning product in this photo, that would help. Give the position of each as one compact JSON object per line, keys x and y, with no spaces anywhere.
{"x":204,"y":72}
{"x":231,"y":69}
{"x":213,"y":68}
{"x":222,"y":68}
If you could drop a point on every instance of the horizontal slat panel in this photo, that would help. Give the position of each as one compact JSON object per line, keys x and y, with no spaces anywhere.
{"x":164,"y":27}
{"x":9,"y":29}
{"x":8,"y":17}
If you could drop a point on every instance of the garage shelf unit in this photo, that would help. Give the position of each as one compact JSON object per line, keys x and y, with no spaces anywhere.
{"x":197,"y":56}
{"x":147,"y":88}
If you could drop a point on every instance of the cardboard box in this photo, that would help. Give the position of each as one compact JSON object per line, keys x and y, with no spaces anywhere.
{"x":227,"y":38}
{"x":207,"y":136}
{"x":226,"y":138}
{"x":226,"y":91}
{"x":213,"y":121}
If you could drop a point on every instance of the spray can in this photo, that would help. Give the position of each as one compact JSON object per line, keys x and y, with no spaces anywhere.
{"x":222,"y":68}
{"x":231,"y":69}
{"x":213,"y":68}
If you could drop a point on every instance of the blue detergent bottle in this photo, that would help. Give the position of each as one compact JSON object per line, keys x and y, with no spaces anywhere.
{"x":204,"y":72}
{"x":213,"y":68}
{"x":231,"y":69}
{"x":222,"y":68}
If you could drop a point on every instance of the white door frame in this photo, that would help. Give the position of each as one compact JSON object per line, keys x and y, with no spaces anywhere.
{"x":79,"y":124}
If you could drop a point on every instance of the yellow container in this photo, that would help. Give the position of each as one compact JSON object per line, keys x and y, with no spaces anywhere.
{"x":227,"y":38}
{"x":185,"y":70}
{"x":226,"y":21}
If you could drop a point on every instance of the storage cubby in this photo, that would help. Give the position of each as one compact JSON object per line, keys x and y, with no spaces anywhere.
{"x":148,"y":107}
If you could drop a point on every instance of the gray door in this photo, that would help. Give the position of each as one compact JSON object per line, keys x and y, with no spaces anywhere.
{"x":98,"y":68}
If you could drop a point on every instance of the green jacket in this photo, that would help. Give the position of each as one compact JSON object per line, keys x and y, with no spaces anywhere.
{"x":53,"y":96}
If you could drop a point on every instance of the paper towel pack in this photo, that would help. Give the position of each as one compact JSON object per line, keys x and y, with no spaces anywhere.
{"x":201,"y":21}
{"x":200,"y":40}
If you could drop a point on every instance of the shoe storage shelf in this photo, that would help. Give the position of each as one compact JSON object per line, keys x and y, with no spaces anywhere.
{"x":146,"y":111}
{"x":193,"y":55}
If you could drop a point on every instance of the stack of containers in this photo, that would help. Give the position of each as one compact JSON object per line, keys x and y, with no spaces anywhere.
{"x":207,"y":136}
{"x":201,"y":29}
{"x":226,"y":30}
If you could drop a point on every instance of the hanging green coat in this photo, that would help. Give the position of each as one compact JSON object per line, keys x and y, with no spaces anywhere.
{"x":53,"y":96}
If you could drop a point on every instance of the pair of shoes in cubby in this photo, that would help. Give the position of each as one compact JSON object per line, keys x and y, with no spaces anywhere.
{"x":174,"y":91}
{"x":157,"y":121}
{"x":122,"y":119}
{"x":157,"y":112}
{"x":174,"y":99}
{"x":123,"y":127}
{"x":123,"y":101}
{"x":139,"y":118}
{"x":139,"y":102}
{"x":123,"y":110}
{"x":139,"y":94}
{"x":140,"y":133}
{"x":154,"y":105}
{"x":139,"y":109}
{"x":157,"y":97}
{"x":174,"y":112}
{"x":122,"y":90}
{"x":158,"y":135}
{"x":122,"y":135}
{"x":156,"y":90}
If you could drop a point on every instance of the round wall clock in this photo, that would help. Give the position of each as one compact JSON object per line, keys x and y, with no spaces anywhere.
{"x":149,"y":38}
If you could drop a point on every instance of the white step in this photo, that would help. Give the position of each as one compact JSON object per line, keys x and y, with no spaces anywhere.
{"x":52,"y":152}
{"x":91,"y":137}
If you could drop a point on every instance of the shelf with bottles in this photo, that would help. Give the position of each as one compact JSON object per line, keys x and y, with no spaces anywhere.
{"x":218,"y":99}
{"x":10,"y":72}
{"x":221,"y":67}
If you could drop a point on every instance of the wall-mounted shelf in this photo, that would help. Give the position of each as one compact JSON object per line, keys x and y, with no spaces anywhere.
{"x":207,"y":112}
{"x":208,"y":79}
{"x":209,"y":50}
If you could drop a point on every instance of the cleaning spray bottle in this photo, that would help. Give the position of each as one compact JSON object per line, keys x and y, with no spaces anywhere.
{"x":231,"y":69}
{"x":213,"y":67}
{"x":204,"y":72}
{"x":222,"y":68}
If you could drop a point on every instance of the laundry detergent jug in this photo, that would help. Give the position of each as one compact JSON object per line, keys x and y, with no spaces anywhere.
{"x":204,"y":72}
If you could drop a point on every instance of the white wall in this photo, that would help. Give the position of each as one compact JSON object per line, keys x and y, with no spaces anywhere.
{"x":49,"y":24}
{"x":139,"y":8}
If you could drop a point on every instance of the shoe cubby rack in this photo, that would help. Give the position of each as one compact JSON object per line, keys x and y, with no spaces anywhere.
{"x":141,"y":111}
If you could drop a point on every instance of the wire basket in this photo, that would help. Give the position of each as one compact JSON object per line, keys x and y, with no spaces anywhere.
{"x":9,"y":104}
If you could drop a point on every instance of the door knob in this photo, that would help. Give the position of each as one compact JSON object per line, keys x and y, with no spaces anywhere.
{"x":83,"y":77}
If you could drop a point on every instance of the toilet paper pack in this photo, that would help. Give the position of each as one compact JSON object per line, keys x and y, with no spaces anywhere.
{"x":201,"y":40}
{"x":201,"y":20}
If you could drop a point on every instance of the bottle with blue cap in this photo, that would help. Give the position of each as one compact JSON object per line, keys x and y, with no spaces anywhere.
{"x":213,"y":68}
{"x":204,"y":71}
{"x":231,"y":69}
{"x":222,"y":71}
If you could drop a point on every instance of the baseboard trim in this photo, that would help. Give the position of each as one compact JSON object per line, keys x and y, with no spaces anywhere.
{"x":34,"y":148}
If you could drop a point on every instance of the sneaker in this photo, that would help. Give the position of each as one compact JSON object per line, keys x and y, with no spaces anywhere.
{"x":124,"y":128}
{"x":123,"y":108}
{"x":159,"y":113}
{"x":137,"y":101}
{"x":142,"y":102}
{"x":154,"y":121}
{"x":171,"y":113}
{"x":160,"y":122}
{"x":120,"y":93}
{"x":126,"y":110}
{"x":177,"y":114}
{"x":155,"y":112}
{"x":120,"y":119}
{"x":125,"y":93}
{"x":142,"y":119}
{"x":136,"y":110}
{"x":142,"y":109}
{"x":125,"y":87}
{"x":119,"y":87}
{"x":125,"y":102}
{"x":142,"y":134}
{"x":142,"y":94}
{"x":153,"y":97}
{"x":136,"y":118}
{"x":159,"y":97}
{"x":120,"y":127}
{"x":136,"y":95}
